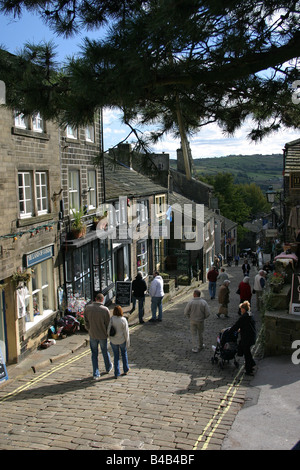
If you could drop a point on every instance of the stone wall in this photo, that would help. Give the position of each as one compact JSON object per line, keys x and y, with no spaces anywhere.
{"x":281,"y":329}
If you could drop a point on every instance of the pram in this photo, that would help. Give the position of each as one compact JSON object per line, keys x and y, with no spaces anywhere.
{"x":226,"y":348}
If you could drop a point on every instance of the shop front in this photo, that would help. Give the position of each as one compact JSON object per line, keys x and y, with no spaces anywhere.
{"x":88,"y":271}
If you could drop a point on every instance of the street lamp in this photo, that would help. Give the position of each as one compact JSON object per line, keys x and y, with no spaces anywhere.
{"x":271,"y":195}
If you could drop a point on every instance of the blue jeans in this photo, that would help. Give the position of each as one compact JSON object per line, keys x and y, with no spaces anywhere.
{"x":212,"y":289}
{"x":94,"y":345}
{"x":141,"y":305}
{"x":116,"y":350}
{"x":156,"y":303}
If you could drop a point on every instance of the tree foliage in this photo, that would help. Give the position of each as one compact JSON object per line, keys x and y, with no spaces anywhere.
{"x":210,"y":60}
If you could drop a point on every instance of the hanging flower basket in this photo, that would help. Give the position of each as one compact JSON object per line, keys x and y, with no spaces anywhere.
{"x":21,"y":277}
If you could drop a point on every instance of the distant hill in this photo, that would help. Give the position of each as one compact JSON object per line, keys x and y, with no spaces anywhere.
{"x":264,"y":170}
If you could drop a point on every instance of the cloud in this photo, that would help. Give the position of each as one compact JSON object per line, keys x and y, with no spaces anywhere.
{"x":209,"y":142}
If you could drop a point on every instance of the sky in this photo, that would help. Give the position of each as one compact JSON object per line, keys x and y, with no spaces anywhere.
{"x":209,"y":142}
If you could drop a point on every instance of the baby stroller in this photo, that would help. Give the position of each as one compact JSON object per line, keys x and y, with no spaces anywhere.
{"x":226,"y":348}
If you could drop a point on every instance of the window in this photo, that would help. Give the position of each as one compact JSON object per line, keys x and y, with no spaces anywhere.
{"x":41,"y":192}
{"x":71,"y":132}
{"x":74,"y":190}
{"x":92,"y":189}
{"x":33,"y":198}
{"x":37,"y":123}
{"x":25,"y":194}
{"x":36,"y":300}
{"x":20,"y":121}
{"x":90,"y":133}
{"x":160,"y":205}
{"x":34,"y":123}
{"x":142,"y":258}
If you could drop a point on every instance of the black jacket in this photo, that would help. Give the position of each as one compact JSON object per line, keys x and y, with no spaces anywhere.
{"x":246,"y":325}
{"x":139,"y":287}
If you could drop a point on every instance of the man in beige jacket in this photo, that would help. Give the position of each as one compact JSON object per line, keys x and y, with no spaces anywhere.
{"x":197,"y":311}
{"x":97,"y":318}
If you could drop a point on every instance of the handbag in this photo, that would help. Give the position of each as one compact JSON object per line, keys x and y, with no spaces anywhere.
{"x":238,"y":291}
{"x":112,"y":330}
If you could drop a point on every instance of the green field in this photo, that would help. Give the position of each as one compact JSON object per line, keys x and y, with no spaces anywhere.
{"x":264,"y":170}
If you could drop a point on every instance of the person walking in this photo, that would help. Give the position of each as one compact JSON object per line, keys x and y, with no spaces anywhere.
{"x":223,"y":299}
{"x":96,"y":319}
{"x":246,"y":268}
{"x":244,"y":291}
{"x":156,"y":292}
{"x":223,"y":276}
{"x":246,"y":327}
{"x":197,"y":311}
{"x":139,"y":287}
{"x":120,"y":341}
{"x":258,"y":287}
{"x":212,"y":276}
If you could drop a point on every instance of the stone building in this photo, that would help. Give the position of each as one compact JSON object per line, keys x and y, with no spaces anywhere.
{"x":30,"y":184}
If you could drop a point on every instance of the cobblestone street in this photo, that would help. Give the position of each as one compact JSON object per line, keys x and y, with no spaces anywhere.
{"x":172,"y":398}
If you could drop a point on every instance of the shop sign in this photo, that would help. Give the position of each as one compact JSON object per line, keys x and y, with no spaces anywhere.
{"x":295,"y":295}
{"x":123,"y":293}
{"x":38,"y":256}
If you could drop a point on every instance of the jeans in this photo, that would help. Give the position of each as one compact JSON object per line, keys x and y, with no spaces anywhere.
{"x":94,"y":345}
{"x":141,"y":305}
{"x":116,"y":349}
{"x":156,"y":302}
{"x":212,"y":289}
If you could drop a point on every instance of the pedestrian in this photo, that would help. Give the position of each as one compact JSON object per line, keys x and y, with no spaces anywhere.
{"x":244,"y":291}
{"x":139,"y":287}
{"x":236,"y":260}
{"x":96,"y":319}
{"x":212,"y":277}
{"x":246,"y":327}
{"x":258,"y":287}
{"x":197,"y":311}
{"x":223,"y":299}
{"x":246,"y":268}
{"x":120,"y":341}
{"x":156,"y":292}
{"x":223,"y":276}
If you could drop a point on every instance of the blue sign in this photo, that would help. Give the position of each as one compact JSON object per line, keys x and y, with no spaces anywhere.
{"x":3,"y":371}
{"x":38,"y":256}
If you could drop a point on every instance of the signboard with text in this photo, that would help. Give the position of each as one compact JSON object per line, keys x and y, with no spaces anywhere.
{"x":123,"y":293}
{"x":295,"y":295}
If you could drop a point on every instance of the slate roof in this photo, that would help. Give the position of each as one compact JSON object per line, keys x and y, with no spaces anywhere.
{"x":121,"y":180}
{"x":292,"y":159}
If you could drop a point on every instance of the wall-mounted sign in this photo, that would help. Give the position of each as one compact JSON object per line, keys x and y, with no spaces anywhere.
{"x":38,"y":256}
{"x":295,"y":295}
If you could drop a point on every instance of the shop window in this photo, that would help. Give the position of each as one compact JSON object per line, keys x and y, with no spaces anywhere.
{"x":142,"y":258}
{"x":36,"y":299}
{"x":88,"y":269}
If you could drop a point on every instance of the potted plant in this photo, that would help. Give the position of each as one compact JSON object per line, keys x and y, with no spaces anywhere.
{"x":78,"y":227}
{"x":21,"y":276}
